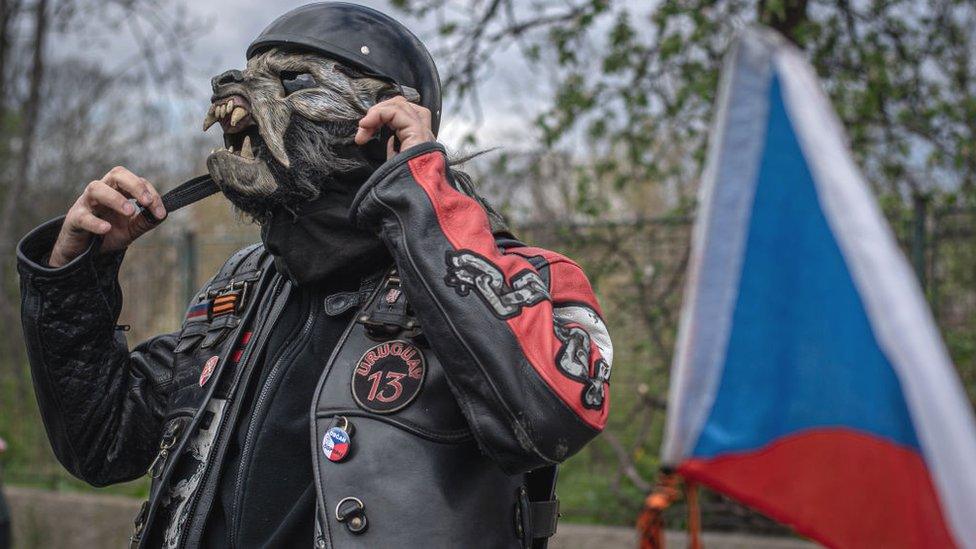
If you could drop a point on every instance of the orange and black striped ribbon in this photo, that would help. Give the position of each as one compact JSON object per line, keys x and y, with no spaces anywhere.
{"x":224,"y":304}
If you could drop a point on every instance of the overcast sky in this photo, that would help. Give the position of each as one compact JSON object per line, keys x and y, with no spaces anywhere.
{"x":509,"y":101}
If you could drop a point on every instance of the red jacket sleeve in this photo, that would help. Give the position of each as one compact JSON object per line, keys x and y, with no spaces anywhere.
{"x":518,"y":329}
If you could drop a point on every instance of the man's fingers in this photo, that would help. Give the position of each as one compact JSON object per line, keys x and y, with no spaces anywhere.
{"x":397,"y":115}
{"x":411,"y":123}
{"x":370,"y":124}
{"x":87,"y":221}
{"x":140,"y":225}
{"x":136,"y":187}
{"x":152,"y":200}
{"x":100,"y":194}
{"x":424,"y":114}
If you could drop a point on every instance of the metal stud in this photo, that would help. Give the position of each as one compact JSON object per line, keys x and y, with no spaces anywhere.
{"x":364,"y":50}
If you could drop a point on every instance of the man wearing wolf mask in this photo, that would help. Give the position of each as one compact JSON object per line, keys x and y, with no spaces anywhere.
{"x":389,"y":367}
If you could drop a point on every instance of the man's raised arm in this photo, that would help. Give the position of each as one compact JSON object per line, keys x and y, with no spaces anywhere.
{"x":518,"y":329}
{"x":102,"y":405}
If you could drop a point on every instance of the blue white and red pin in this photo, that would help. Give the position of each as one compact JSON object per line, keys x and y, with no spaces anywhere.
{"x":208,"y":369}
{"x":335,"y":444}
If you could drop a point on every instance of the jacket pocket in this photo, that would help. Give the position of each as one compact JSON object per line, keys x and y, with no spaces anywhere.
{"x":412,"y":489}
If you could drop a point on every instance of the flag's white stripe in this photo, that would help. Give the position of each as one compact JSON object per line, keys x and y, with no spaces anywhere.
{"x":718,"y":245}
{"x":898,"y":313}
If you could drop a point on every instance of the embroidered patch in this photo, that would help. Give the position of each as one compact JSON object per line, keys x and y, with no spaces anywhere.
{"x":388,"y":376}
{"x":199,"y":312}
{"x":208,"y":369}
{"x":468,"y":271}
{"x":335,"y":444}
{"x":225,"y":304}
{"x":573,"y":360}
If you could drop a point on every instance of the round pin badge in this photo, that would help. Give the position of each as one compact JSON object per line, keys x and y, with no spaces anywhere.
{"x":335,"y":444}
{"x":388,"y":376}
{"x":208,"y":369}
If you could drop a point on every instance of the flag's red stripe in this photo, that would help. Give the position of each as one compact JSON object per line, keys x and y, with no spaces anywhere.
{"x":465,"y":225}
{"x":840,"y":487}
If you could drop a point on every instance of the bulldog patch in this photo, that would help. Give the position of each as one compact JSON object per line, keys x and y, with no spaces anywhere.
{"x":388,"y":376}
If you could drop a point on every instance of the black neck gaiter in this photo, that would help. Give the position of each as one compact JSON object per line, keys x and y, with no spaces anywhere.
{"x":317,"y":242}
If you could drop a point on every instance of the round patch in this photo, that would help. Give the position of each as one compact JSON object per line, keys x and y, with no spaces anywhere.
{"x":208,"y":369}
{"x":335,"y":444}
{"x":388,"y":376}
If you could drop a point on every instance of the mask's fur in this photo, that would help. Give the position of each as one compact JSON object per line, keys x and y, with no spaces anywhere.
{"x":320,"y":155}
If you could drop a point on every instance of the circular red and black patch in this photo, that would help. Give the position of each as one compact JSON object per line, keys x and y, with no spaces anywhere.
{"x":388,"y":376}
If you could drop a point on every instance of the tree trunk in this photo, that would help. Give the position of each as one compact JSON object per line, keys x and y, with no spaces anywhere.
{"x":8,"y":11}
{"x":30,"y":110}
{"x":14,"y":191}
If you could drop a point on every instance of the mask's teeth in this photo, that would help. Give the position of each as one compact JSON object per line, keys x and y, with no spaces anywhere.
{"x":210,"y":120}
{"x":237,"y":115}
{"x":246,"y":151}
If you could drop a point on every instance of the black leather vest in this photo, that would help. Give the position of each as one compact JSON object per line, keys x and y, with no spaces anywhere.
{"x":395,"y":462}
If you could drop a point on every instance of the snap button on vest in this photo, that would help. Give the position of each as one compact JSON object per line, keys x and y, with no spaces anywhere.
{"x":351,"y":512}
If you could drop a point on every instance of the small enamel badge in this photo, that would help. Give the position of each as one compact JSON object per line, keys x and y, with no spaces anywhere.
{"x":208,"y":369}
{"x":335,"y":444}
{"x":388,"y":376}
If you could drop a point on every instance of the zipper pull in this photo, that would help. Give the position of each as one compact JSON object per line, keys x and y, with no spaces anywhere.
{"x":169,"y":439}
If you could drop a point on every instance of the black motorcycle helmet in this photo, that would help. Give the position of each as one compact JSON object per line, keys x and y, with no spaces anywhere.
{"x":363,"y":38}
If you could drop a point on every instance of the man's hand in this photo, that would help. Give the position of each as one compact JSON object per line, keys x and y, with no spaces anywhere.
{"x":104,"y":209}
{"x":409,"y":122}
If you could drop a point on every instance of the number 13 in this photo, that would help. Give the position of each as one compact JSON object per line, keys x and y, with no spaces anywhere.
{"x":392,"y":382}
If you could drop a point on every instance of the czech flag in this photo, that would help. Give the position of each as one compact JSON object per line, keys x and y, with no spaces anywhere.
{"x":810,"y":381}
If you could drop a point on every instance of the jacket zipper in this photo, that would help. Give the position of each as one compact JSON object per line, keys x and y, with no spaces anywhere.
{"x":269,"y":384}
{"x":171,"y":433}
{"x":279,"y":305}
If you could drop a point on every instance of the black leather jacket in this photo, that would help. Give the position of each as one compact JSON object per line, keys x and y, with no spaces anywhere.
{"x":472,"y":362}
